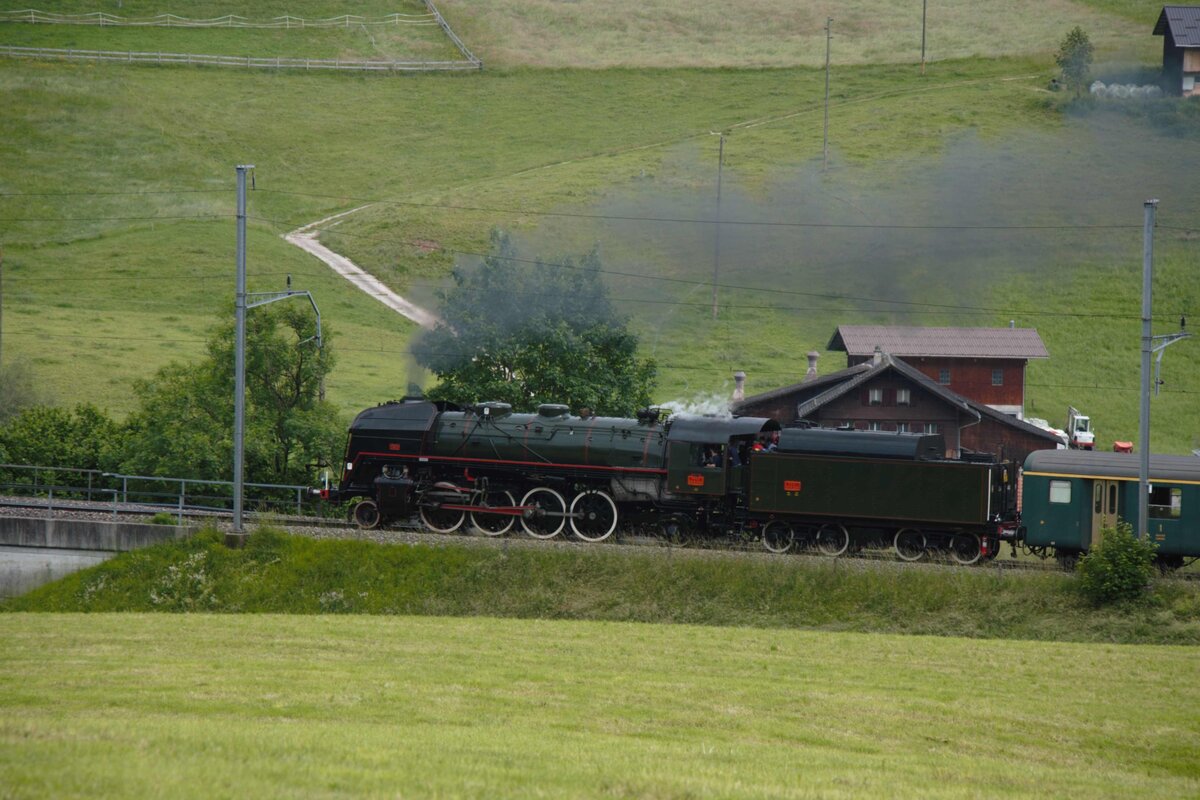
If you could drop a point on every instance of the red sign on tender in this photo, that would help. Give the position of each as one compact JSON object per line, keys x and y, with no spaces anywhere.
{"x":791,"y":486}
{"x":695,"y":480}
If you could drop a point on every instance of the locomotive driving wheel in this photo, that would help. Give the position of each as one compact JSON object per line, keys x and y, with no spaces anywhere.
{"x":442,"y":520}
{"x":778,"y":536}
{"x":909,"y":544}
{"x":965,"y":548}
{"x":593,"y":515}
{"x":366,"y":514}
{"x":833,"y":539}
{"x":494,"y":524}
{"x":548,"y":514}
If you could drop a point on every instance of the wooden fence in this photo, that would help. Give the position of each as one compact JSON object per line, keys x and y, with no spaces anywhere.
{"x":433,"y":17}
{"x":103,"y":19}
{"x":135,"y":57}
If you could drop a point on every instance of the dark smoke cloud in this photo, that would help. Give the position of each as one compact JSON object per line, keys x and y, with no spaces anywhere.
{"x":1093,"y":171}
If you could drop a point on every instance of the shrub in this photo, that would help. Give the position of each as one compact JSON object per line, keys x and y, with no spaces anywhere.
{"x":163,"y":518}
{"x":1119,"y":568}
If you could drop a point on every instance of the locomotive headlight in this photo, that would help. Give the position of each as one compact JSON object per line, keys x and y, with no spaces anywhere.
{"x":349,"y":466}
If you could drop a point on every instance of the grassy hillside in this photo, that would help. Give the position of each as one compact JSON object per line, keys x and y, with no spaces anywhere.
{"x":776,"y":33}
{"x":119,"y":280}
{"x":295,"y":575}
{"x":119,"y":705}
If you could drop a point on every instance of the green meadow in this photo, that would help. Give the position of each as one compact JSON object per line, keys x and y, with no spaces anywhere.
{"x":120,"y":705}
{"x":117,"y":190}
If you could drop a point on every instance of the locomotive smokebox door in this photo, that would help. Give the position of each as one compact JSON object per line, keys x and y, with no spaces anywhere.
{"x":393,"y":493}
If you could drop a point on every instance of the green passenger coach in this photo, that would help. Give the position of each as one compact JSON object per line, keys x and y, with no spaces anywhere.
{"x":1071,"y":495}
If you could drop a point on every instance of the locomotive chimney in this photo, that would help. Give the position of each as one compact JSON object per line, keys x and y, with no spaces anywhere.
{"x":811,"y":375}
{"x":739,"y":386}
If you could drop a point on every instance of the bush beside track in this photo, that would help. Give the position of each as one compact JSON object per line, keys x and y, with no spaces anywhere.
{"x":280,"y":573}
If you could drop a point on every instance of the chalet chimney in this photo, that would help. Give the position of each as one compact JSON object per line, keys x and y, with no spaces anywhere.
{"x":811,"y":375}
{"x":877,"y":356}
{"x":739,"y":386}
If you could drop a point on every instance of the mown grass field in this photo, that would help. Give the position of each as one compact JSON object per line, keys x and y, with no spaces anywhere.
{"x":775,"y":33}
{"x":117,"y":705}
{"x":521,"y":140}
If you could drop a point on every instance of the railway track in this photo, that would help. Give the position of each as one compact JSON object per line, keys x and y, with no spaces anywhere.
{"x":416,"y":533}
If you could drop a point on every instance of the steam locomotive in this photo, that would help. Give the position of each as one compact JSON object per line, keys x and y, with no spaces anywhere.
{"x":678,"y":477}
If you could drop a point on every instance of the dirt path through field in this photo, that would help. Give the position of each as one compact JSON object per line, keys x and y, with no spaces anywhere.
{"x":306,"y":239}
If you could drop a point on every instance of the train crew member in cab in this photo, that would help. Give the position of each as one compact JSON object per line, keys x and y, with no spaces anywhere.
{"x":712,"y":456}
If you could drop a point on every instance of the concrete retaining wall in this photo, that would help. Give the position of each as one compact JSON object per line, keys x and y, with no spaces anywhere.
{"x":85,"y":534}
{"x":37,"y":551}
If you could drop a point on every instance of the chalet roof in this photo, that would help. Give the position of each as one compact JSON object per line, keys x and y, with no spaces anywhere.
{"x":908,"y":342}
{"x":885,"y":363}
{"x":1183,"y":22}
{"x":812,"y":395}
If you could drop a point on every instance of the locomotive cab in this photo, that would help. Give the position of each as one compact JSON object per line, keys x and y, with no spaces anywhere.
{"x":707,"y":455}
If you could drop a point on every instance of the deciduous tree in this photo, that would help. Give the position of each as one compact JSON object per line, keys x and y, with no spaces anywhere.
{"x":535,"y":332}
{"x":1074,"y":57}
{"x":184,"y":423}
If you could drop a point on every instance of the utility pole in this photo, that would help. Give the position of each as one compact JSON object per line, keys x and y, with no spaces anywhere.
{"x":1151,"y":344}
{"x":238,"y":536}
{"x":1,"y":307}
{"x":717,"y":225}
{"x":924,"y":3}
{"x":825,"y":139}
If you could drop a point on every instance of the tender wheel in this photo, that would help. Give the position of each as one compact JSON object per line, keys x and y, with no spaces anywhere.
{"x":495,"y":524}
{"x":909,"y":544}
{"x":965,"y":549}
{"x":366,"y":514}
{"x":778,"y":536}
{"x":833,"y":540}
{"x":548,"y":515}
{"x":593,"y":516}
{"x":442,"y":520}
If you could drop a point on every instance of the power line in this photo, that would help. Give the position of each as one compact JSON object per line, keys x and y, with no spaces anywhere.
{"x":114,"y":194}
{"x":464,"y":354}
{"x":113,"y":219}
{"x":692,"y":282}
{"x":689,"y":220}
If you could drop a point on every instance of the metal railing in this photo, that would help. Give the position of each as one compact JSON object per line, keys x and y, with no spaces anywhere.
{"x":177,"y":495}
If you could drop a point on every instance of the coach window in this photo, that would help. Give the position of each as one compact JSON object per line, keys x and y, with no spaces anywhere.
{"x":944,"y":376}
{"x":1060,"y":492}
{"x":1165,"y":502}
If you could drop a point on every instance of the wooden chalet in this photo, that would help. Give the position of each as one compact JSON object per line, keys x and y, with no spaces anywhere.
{"x":986,"y":365}
{"x":886,"y":393}
{"x":1180,"y":28}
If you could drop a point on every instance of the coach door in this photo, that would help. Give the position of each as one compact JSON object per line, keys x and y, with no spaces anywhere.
{"x":1104,"y":507}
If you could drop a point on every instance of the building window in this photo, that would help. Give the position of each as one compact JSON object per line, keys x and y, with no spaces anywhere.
{"x":875,"y":397}
{"x":874,"y":426}
{"x":903,"y":398}
{"x":944,"y":376}
{"x":1165,"y":502}
{"x":1060,"y":492}
{"x":931,"y":427}
{"x":902,"y":427}
{"x":997,"y":377}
